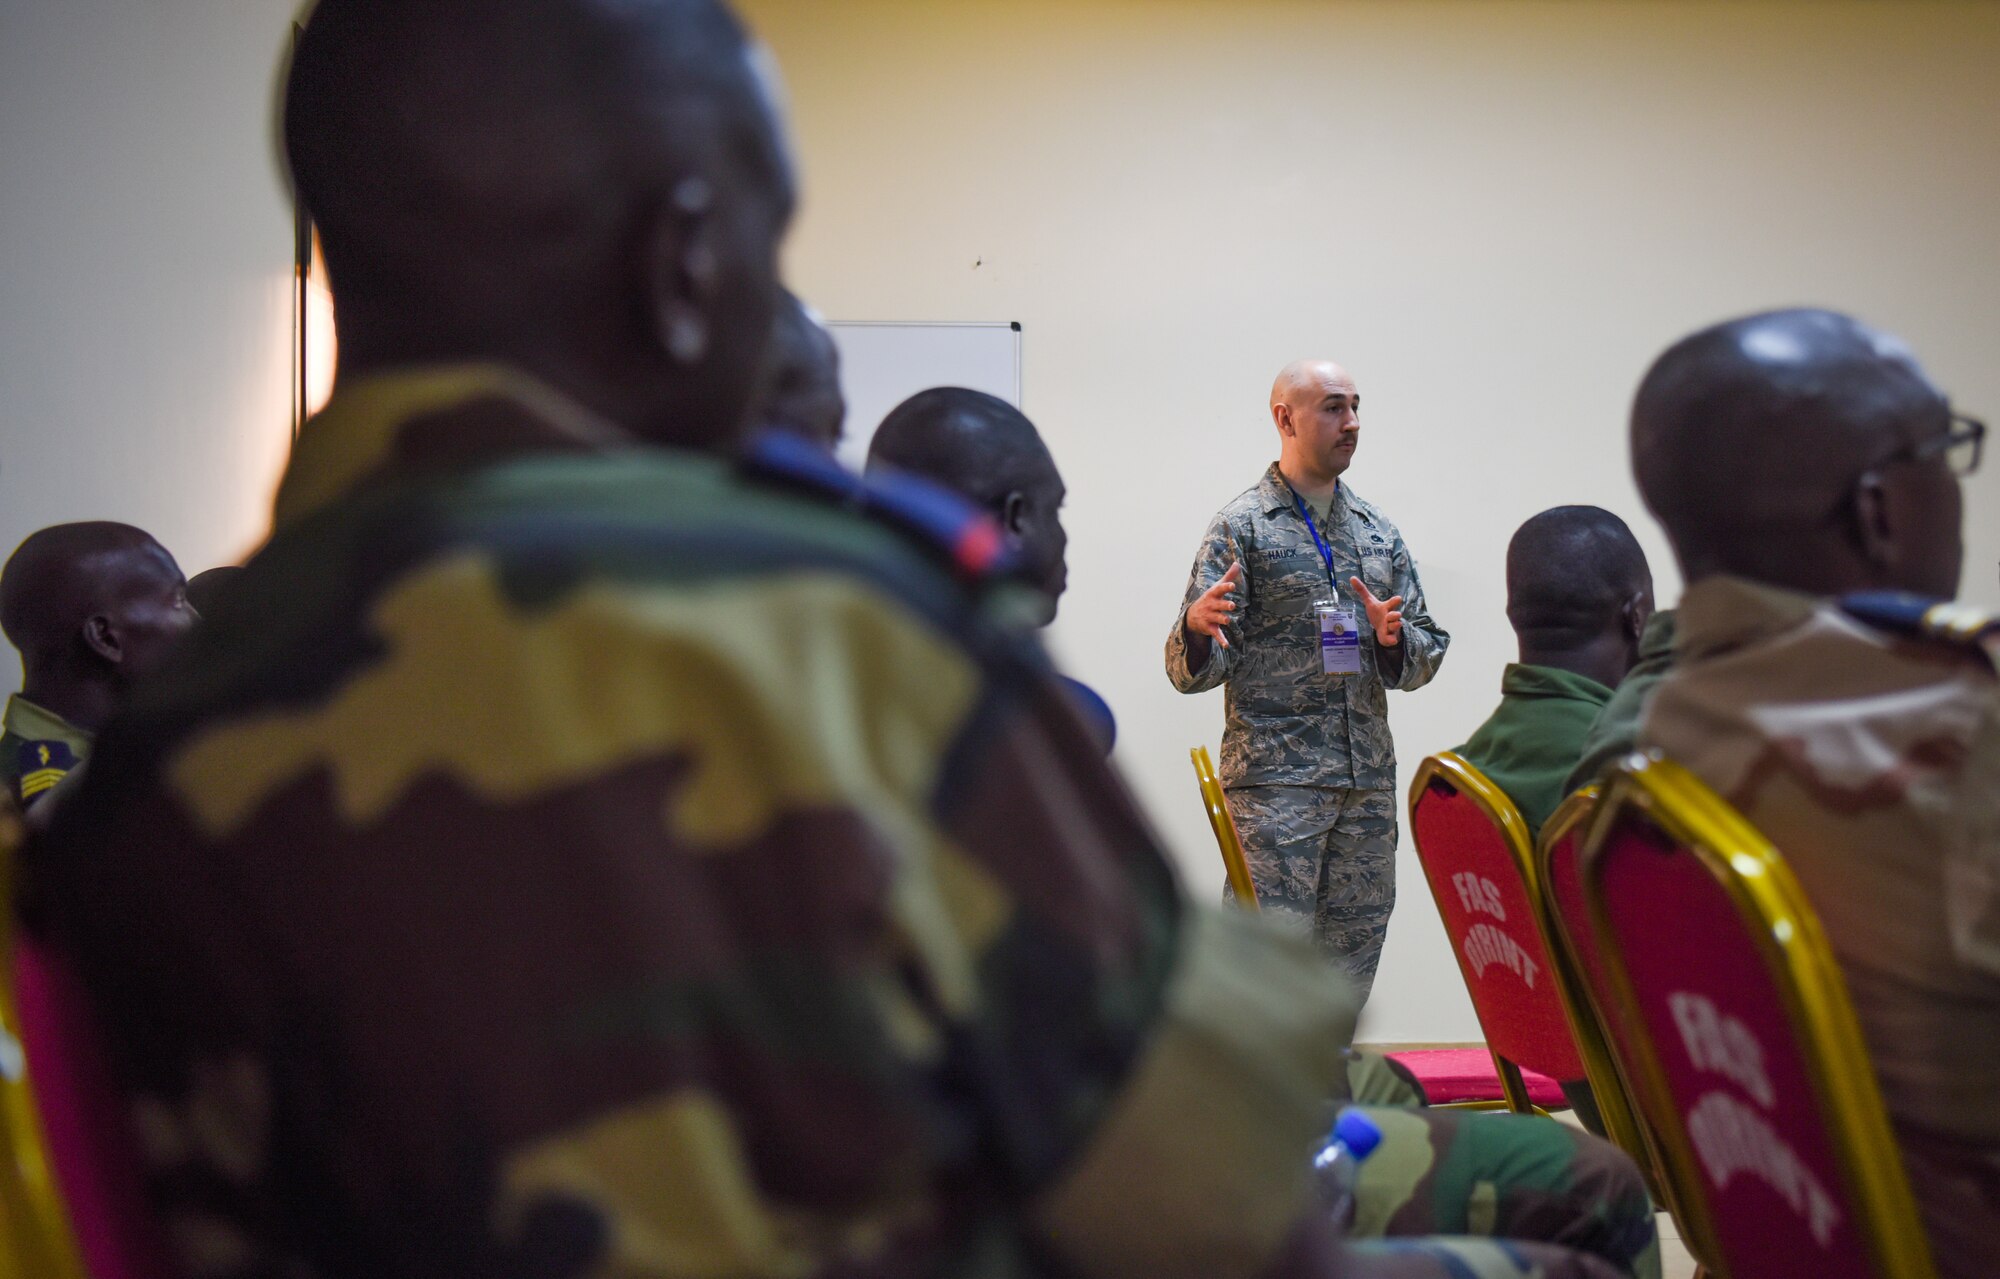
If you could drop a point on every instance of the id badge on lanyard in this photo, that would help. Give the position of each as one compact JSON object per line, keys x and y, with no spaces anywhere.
{"x":1339,"y":628}
{"x":1339,"y":638}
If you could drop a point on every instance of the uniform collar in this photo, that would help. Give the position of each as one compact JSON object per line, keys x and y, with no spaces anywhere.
{"x":358,"y":434}
{"x":1551,"y":682}
{"x":1277,"y":493}
{"x":1718,"y":614}
{"x":35,"y":723}
{"x":1657,"y":640}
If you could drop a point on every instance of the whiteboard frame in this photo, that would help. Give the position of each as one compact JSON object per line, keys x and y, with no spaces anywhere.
{"x":1020,"y":389}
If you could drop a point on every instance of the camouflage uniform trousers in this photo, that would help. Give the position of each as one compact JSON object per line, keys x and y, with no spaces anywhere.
{"x":1480,"y":1195}
{"x":1324,"y":862}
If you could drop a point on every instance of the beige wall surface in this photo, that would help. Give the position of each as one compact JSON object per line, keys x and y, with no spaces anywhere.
{"x":1494,"y":213}
{"x":145,"y":259}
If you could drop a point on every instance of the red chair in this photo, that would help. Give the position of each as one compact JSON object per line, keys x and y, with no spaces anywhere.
{"x":1573,"y":947}
{"x":1478,"y":857}
{"x":1730,"y":1018}
{"x":92,"y":1148}
{"x":36,"y":1241}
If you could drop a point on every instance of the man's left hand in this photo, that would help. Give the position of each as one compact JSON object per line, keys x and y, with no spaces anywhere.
{"x":1385,"y":616}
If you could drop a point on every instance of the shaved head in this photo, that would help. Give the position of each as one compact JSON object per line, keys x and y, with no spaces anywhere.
{"x":90,"y":607}
{"x":1317,"y":410}
{"x":1777,"y":447}
{"x":988,"y":452}
{"x":1579,"y":592}
{"x":592,"y":190}
{"x":1302,"y":380}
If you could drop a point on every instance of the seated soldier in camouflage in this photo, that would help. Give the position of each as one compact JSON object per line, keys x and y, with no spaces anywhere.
{"x":1579,"y":596}
{"x":1859,"y":732}
{"x":568,"y":853}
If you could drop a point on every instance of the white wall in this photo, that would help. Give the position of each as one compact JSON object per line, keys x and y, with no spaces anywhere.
{"x":145,"y":260}
{"x":1494,"y":213}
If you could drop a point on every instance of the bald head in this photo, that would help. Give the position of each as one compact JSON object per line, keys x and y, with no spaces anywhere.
{"x":988,"y":452}
{"x":589,"y":189}
{"x":1579,"y":592}
{"x":1317,"y":410}
{"x":1778,"y":447}
{"x":1302,"y":381}
{"x":90,"y":607}
{"x":802,"y":391}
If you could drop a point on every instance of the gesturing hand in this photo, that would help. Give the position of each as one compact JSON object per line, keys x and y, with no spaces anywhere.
{"x":1216,"y":608}
{"x":1385,"y":616}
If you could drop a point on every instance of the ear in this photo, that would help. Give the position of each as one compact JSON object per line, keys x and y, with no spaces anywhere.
{"x":100,"y":635}
{"x":1634,"y":615}
{"x":1874,"y":522}
{"x":681,"y":270}
{"x":1014,"y":513}
{"x":1281,"y":417}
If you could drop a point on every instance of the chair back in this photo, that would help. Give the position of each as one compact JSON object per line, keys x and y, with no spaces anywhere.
{"x":92,"y":1148}
{"x":1580,"y":967}
{"x":1735,"y":1028}
{"x":1476,"y":853}
{"x":1234,"y":864}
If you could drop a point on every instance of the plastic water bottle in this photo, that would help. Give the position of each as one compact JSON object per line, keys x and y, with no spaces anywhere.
{"x":1338,"y":1164}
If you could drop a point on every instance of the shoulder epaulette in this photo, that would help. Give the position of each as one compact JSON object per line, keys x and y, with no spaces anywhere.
{"x":1919,"y":617}
{"x":40,"y":765}
{"x":934,"y":515}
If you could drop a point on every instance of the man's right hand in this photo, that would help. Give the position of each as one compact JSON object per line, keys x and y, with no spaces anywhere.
{"x":1216,"y":608}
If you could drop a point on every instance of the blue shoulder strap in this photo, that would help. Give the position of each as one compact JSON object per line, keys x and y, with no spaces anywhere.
{"x":936,"y":516}
{"x":1919,"y":617}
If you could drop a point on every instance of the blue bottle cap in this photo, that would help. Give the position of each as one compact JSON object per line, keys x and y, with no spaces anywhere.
{"x":1357,"y":1132}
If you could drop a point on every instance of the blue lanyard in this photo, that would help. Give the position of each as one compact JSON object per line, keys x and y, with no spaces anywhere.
{"x":1312,"y":526}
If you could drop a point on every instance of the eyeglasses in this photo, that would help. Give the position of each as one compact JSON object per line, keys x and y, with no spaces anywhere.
{"x":1962,"y":445}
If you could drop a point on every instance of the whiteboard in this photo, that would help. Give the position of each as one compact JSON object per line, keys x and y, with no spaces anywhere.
{"x":883,"y":364}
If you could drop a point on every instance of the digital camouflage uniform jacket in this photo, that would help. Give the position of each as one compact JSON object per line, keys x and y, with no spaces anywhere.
{"x":1286,"y":722}
{"x":592,"y":862}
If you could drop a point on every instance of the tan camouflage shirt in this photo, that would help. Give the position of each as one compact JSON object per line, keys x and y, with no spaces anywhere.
{"x":1288,"y":723}
{"x":1872,"y":761}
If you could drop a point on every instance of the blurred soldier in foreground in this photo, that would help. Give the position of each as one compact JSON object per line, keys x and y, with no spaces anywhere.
{"x":92,"y":608}
{"x":1859,"y":730}
{"x":569,"y":855}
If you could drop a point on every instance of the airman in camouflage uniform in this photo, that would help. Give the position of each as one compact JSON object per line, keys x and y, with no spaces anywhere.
{"x":1306,"y":757}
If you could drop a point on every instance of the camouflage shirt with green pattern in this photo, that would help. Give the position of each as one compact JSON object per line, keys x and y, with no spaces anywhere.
{"x":590,"y":861}
{"x":1286,"y":723}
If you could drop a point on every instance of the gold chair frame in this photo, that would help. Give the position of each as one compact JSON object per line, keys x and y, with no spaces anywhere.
{"x":1779,"y":918}
{"x":1234,"y":864}
{"x":1623,"y":1123}
{"x":1459,"y":772}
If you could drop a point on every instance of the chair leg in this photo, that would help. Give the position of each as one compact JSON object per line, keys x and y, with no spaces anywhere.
{"x":1513,"y":1087}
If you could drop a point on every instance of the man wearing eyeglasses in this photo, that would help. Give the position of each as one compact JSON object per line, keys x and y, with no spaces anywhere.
{"x":1808,"y":473}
